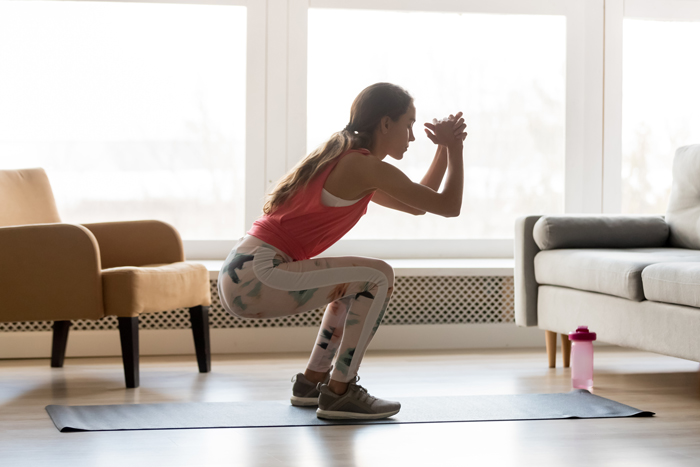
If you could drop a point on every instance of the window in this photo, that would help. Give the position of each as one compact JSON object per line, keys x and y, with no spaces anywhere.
{"x":507,"y":73}
{"x":660,"y":99}
{"x":188,"y":111}
{"x":135,"y":110}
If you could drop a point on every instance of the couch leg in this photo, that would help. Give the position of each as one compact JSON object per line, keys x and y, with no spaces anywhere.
{"x":129,"y":336}
{"x":199,"y":317}
{"x":566,"y":350}
{"x":551,"y":341}
{"x":59,"y":342}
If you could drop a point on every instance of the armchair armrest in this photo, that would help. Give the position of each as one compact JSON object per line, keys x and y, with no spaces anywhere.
{"x":137,"y":243}
{"x":49,"y":272}
{"x":524,"y":251}
{"x":601,"y":231}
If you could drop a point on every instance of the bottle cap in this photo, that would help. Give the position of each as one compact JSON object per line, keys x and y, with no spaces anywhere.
{"x":582,"y":334}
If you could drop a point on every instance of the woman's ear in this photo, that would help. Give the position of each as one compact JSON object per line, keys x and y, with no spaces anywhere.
{"x":384,"y":124}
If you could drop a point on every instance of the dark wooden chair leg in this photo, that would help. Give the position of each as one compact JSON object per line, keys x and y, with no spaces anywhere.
{"x":199,"y":317}
{"x":129,"y":336}
{"x":59,"y":342}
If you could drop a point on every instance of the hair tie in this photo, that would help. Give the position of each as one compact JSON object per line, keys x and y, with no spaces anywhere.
{"x":348,"y":128}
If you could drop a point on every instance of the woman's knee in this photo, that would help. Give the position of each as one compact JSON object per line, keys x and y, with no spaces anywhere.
{"x":386,"y":269}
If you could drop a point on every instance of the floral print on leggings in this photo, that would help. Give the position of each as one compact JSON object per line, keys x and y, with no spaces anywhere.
{"x":259,"y":281}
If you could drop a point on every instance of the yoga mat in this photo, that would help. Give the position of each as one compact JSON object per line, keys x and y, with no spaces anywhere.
{"x":578,"y":403}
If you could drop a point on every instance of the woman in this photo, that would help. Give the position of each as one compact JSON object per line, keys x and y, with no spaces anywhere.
{"x":270,"y":272}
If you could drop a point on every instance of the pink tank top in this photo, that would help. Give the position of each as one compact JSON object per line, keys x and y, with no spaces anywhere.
{"x":303,"y":227}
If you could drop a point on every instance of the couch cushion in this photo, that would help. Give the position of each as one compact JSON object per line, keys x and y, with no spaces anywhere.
{"x":677,"y":283}
{"x":607,"y":271}
{"x":129,"y":291}
{"x":600,"y":231}
{"x":683,"y":213}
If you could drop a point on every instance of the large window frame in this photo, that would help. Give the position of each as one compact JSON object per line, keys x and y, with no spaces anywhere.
{"x":616,"y":11}
{"x":276,"y":104}
{"x":287,"y":22}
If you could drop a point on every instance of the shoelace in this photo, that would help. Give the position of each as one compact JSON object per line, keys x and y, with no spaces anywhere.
{"x":363,"y":395}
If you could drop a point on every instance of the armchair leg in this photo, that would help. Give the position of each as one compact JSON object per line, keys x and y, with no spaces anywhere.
{"x":129,"y":336}
{"x":551,"y":341}
{"x":566,"y":350}
{"x":199,"y":317}
{"x":59,"y":342}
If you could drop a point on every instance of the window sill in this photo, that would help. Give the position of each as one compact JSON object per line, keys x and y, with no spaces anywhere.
{"x":422,"y":267}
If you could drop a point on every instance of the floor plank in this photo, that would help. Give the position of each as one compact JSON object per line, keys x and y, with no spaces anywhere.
{"x":668,"y":386}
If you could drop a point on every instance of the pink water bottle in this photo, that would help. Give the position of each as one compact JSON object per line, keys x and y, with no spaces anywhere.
{"x":582,"y":358}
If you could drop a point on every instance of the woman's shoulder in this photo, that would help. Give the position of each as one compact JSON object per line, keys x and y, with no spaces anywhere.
{"x":357,"y":158}
{"x":346,"y":180}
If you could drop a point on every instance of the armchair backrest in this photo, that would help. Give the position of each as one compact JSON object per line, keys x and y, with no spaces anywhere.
{"x":26,"y":198}
{"x":683,"y":213}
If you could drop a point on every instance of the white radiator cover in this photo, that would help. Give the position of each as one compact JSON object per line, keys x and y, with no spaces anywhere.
{"x":417,"y":300}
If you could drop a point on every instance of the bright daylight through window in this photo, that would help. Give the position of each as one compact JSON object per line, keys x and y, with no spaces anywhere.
{"x":135,"y":110}
{"x":507,"y":73}
{"x":660,"y":82}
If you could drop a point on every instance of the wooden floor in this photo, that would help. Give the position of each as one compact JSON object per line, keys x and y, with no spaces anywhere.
{"x":668,"y":386}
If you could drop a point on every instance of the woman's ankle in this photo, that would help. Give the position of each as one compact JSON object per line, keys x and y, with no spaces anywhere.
{"x":338,"y":387}
{"x":315,"y":376}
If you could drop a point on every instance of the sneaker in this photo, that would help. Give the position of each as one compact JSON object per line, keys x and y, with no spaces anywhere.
{"x":304,"y":392}
{"x":355,"y":404}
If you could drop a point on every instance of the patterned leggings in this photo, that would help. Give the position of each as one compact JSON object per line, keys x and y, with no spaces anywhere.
{"x":259,"y":281}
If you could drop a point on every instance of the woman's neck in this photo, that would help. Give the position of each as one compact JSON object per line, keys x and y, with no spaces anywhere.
{"x":377,"y":151}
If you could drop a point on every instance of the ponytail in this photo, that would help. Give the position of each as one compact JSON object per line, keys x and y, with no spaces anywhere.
{"x":369,"y":107}
{"x":311,"y":165}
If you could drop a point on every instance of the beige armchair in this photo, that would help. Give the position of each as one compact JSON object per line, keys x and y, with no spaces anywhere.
{"x":61,"y":272}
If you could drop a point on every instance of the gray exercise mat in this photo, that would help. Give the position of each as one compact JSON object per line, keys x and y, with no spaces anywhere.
{"x":578,"y":403}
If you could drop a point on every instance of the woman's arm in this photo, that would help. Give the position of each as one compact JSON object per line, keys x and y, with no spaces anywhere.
{"x":379,"y":175}
{"x":432,"y":178}
{"x":436,"y":172}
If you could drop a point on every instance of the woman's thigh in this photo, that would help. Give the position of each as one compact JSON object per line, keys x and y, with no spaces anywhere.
{"x":261,"y":284}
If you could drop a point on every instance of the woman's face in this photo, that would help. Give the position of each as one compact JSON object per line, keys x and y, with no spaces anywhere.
{"x":400,"y":133}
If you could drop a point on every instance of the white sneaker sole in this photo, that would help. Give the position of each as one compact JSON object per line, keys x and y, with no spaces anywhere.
{"x":333,"y":415}
{"x":303,"y":401}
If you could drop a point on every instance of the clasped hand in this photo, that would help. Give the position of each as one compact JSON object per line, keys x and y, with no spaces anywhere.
{"x":447,"y":131}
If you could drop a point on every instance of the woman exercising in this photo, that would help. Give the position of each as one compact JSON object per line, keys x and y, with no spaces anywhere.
{"x":273,"y":271}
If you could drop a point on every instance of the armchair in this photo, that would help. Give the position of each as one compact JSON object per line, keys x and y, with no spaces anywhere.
{"x":60,"y":272}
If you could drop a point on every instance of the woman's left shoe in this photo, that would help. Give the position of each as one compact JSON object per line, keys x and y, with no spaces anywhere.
{"x":304,"y":392}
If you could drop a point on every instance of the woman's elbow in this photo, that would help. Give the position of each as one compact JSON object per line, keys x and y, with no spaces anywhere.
{"x":450,"y":207}
{"x":453,"y":212}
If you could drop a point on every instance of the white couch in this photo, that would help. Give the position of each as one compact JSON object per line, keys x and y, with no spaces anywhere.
{"x":634,"y":280}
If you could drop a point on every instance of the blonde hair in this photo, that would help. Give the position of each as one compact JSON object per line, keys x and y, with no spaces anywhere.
{"x":369,"y":107}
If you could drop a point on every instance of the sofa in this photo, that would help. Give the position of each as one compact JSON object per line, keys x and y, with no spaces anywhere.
{"x":634,"y":280}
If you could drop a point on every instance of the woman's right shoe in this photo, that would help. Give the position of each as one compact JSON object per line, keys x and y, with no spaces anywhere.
{"x":355,"y":404}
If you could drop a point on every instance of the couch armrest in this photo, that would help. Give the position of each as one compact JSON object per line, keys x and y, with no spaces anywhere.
{"x":600,"y":231}
{"x":525,"y":250}
{"x":137,"y":243}
{"x":49,"y":272}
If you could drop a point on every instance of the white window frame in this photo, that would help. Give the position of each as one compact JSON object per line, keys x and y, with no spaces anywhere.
{"x":256,"y":90}
{"x":262,"y":107}
{"x":615,"y":13}
{"x":286,"y":85}
{"x":276,"y":104}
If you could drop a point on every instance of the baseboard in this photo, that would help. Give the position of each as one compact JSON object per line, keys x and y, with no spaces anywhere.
{"x":273,"y":339}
